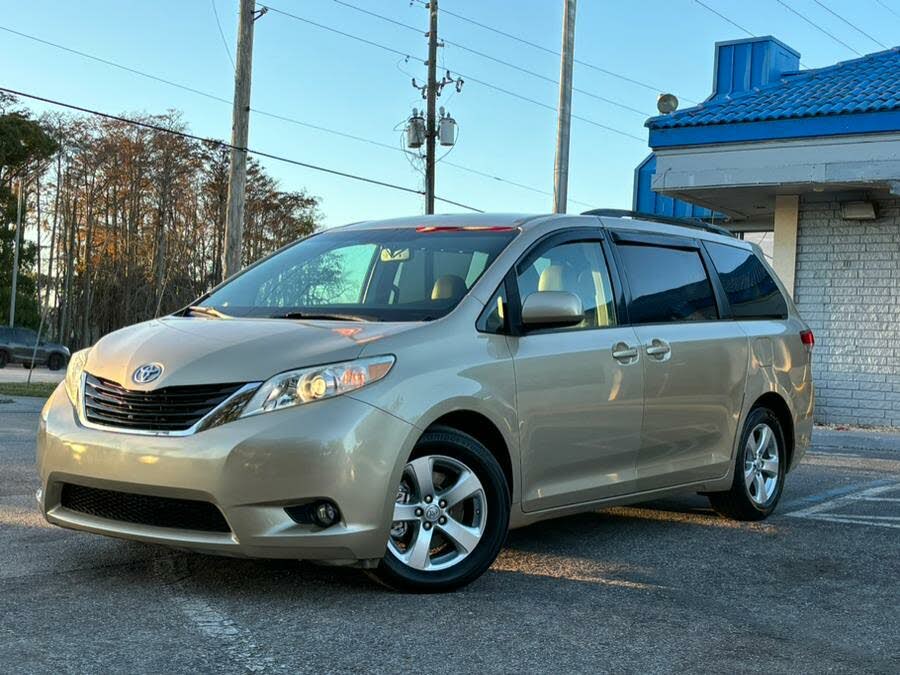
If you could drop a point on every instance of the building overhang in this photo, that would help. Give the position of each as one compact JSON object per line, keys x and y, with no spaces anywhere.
{"x":742,"y":179}
{"x":748,"y":132}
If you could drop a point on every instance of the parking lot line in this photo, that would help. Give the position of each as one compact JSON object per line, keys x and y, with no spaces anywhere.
{"x":828,"y":510}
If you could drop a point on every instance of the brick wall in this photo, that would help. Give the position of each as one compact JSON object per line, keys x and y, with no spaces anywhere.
{"x":848,"y":289}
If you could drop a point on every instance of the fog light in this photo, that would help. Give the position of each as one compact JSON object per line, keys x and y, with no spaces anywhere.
{"x":325,"y":514}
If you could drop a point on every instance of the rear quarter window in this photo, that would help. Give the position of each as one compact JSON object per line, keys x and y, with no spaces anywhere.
{"x":749,"y":287}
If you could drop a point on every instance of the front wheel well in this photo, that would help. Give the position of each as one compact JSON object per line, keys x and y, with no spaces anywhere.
{"x":483,"y":430}
{"x":779,"y":407}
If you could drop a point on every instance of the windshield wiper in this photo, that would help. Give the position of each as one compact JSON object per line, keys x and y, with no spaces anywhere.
{"x":324,"y":316}
{"x":207,"y":311}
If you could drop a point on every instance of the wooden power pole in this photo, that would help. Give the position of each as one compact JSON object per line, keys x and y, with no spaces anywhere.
{"x":431,"y":113}
{"x":237,"y":171}
{"x":564,"y":121}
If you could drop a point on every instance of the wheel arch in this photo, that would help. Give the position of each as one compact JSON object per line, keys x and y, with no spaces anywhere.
{"x":485,"y":431}
{"x":778,"y":405}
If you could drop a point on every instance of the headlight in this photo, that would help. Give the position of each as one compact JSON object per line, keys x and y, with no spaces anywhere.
{"x":73,"y":376}
{"x":296,"y":387}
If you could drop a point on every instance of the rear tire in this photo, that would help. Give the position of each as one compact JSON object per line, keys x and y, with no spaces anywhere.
{"x":4,"y":359}
{"x":55,"y":362}
{"x":27,"y":364}
{"x":759,"y":469}
{"x":464,"y":505}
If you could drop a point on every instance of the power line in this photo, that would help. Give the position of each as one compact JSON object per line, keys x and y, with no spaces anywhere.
{"x":265,"y":113}
{"x":222,"y":33}
{"x":724,"y":18}
{"x":888,"y":8}
{"x":733,"y":23}
{"x":816,"y":26}
{"x":508,"y":92}
{"x":489,"y":57}
{"x":547,"y":50}
{"x":223,"y":144}
{"x":852,"y":25}
{"x":465,"y":77}
{"x":610,"y":101}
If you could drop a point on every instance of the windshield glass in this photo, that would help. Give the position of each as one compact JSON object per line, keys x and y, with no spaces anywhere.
{"x":376,"y":275}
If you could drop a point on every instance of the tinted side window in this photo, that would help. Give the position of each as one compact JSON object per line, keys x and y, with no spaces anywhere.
{"x":751,"y":290}
{"x":667,"y":285}
{"x":25,"y":336}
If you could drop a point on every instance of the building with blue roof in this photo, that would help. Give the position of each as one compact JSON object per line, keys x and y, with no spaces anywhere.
{"x":812,"y":156}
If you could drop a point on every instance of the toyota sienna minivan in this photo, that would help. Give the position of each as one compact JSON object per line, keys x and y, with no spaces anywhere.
{"x":397,"y":395}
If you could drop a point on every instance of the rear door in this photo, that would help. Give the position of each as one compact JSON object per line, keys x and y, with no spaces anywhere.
{"x":694,"y":359}
{"x":25,"y":340}
{"x":579,"y":389}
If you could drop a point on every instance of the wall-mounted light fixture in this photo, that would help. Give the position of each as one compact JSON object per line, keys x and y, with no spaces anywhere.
{"x":858,"y":211}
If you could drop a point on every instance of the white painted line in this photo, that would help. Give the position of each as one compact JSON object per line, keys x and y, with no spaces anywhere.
{"x":832,"y":519}
{"x":876,"y":499}
{"x":825,"y":511}
{"x":241,"y":648}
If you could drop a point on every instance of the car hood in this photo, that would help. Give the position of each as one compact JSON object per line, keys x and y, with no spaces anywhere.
{"x":213,"y":351}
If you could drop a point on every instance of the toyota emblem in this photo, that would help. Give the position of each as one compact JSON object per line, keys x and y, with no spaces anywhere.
{"x":147,"y":373}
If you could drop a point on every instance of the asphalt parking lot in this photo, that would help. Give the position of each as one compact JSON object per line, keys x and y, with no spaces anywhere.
{"x":662,"y":587}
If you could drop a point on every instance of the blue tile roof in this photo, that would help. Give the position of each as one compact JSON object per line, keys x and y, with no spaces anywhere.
{"x":867,"y":84}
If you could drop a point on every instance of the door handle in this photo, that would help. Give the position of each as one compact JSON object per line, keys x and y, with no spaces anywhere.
{"x":658,"y":349}
{"x":625,"y":354}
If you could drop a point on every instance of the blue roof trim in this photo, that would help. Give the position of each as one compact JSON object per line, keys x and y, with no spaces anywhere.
{"x":829,"y":100}
{"x":832,"y":125}
{"x":645,"y":200}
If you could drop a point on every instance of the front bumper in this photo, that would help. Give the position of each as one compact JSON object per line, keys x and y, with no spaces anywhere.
{"x":340,"y":449}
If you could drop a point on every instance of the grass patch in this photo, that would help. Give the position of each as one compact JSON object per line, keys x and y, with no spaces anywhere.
{"x":40,"y":389}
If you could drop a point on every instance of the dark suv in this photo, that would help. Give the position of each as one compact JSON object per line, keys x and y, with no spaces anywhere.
{"x":17,"y":346}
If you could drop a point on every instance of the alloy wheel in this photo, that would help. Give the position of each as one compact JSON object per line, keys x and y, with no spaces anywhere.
{"x":761,"y":464}
{"x":439,"y":515}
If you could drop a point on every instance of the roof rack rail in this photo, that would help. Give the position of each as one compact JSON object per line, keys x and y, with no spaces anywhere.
{"x":667,"y":220}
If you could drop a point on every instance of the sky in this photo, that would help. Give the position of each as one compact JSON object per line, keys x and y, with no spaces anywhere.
{"x":318,"y":77}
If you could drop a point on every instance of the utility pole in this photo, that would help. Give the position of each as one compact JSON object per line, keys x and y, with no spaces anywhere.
{"x":17,"y":240}
{"x":240,"y":121}
{"x":430,"y":114}
{"x":564,"y":121}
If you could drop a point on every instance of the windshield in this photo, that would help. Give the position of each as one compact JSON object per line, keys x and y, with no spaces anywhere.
{"x":374,"y":275}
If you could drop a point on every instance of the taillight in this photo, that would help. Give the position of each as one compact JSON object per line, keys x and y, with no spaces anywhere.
{"x":807,"y":338}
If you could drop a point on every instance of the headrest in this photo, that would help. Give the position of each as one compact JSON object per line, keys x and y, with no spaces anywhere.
{"x":449,"y":287}
{"x":551,"y":279}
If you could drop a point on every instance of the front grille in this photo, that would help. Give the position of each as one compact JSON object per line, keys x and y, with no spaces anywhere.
{"x":183,"y":514}
{"x":167,"y":409}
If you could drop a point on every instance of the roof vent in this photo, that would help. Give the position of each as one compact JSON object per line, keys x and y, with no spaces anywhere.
{"x":745,"y":65}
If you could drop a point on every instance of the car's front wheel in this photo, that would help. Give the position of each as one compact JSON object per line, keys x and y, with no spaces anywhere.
{"x":450,"y":518}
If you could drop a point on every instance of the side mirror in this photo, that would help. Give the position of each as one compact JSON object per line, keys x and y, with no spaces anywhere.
{"x":552,"y":308}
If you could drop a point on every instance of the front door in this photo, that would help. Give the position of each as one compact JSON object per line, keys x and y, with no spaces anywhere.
{"x":695,"y":364}
{"x":579,"y":389}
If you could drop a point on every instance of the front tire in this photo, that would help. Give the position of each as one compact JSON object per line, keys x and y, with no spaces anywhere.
{"x":451,"y":515}
{"x":759,"y":470}
{"x":55,"y":362}
{"x":4,"y":359}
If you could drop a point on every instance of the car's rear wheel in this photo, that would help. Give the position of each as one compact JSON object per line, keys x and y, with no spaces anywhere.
{"x":450,"y":518}
{"x":4,"y":359}
{"x":55,"y":362}
{"x":27,"y":364}
{"x":759,"y":470}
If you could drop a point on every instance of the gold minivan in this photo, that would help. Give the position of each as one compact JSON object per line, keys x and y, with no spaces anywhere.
{"x":397,"y":395}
